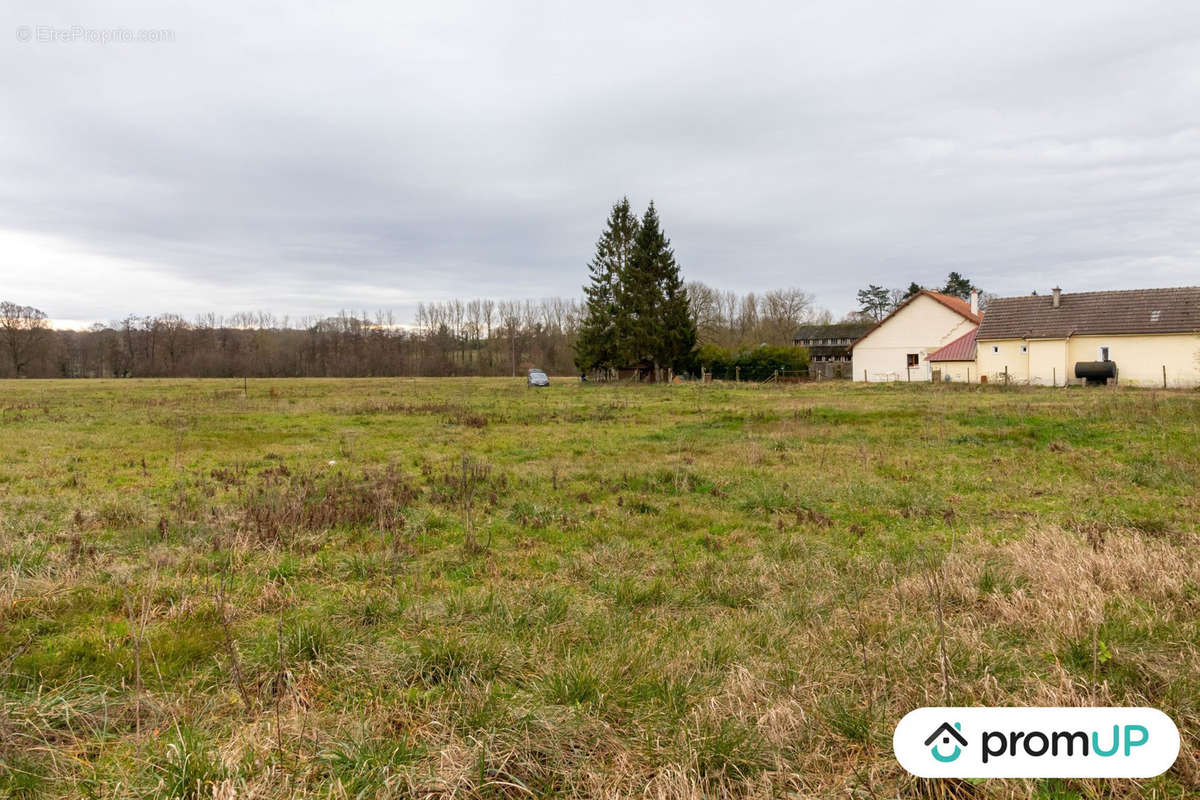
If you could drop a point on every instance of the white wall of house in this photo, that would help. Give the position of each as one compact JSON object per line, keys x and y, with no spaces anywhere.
{"x":1140,"y":359}
{"x":957,"y":371}
{"x":921,"y":327}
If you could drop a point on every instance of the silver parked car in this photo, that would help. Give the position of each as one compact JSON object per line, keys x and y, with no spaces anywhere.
{"x":537,"y":378}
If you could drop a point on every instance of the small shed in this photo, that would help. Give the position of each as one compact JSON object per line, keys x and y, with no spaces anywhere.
{"x":956,"y":361}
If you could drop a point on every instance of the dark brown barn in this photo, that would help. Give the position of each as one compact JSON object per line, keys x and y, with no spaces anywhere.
{"x":829,"y":347}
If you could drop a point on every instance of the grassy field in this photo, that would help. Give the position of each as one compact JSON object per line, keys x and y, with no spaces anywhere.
{"x":461,"y":588}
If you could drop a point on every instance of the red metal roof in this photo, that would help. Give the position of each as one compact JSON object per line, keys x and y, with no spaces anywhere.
{"x":961,"y":349}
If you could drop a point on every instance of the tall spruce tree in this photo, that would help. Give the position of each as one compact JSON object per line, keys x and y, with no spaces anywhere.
{"x":654,"y":320}
{"x":598,"y":344}
{"x":679,"y":326}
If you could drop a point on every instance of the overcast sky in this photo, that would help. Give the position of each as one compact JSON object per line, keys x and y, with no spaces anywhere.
{"x":307,"y":157}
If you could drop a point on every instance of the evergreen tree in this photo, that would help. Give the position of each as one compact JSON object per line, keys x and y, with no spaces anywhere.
{"x":874,"y":302}
{"x":654,"y":320}
{"x":638,"y":296}
{"x":957,"y":286}
{"x":679,"y":326}
{"x":913,"y":288}
{"x":597,"y":345}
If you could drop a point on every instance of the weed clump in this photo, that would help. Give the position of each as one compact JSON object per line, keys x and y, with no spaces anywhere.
{"x":283,"y":504}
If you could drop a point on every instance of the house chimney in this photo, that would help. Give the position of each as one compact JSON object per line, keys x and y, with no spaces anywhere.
{"x":1057,"y":296}
{"x":974,"y":301}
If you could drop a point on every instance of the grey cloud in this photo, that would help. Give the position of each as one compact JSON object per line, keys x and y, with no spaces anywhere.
{"x":346,"y":153}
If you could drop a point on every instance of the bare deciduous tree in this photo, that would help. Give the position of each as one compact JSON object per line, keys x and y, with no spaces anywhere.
{"x":24,"y":329}
{"x":726,"y":319}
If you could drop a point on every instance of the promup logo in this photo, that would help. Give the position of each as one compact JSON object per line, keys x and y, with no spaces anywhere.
{"x":1036,"y":742}
{"x":946,"y":732}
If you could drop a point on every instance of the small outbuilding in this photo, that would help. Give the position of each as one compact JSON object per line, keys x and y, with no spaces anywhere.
{"x":956,"y":361}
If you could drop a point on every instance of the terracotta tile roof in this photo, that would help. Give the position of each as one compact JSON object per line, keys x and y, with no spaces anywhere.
{"x":1090,"y":313}
{"x":956,"y":304}
{"x":961,"y":349}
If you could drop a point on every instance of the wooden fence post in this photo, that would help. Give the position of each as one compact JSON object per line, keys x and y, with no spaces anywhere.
{"x":1164,"y":376}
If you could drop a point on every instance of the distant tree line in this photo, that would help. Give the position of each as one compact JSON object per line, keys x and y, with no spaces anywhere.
{"x":477,"y":337}
{"x":481,"y":337}
{"x":749,"y":337}
{"x":730,"y":320}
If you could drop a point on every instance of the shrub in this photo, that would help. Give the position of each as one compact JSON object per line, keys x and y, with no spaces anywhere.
{"x":752,"y":364}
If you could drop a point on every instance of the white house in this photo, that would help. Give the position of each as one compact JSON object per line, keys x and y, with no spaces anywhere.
{"x":898,"y":347}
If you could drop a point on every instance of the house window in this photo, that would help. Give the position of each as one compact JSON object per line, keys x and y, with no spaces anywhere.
{"x":1024,"y":348}
{"x":913,"y":360}
{"x":1104,"y":353}
{"x":995,"y":348}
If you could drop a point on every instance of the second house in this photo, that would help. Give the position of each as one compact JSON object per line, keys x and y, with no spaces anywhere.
{"x":899,"y":346}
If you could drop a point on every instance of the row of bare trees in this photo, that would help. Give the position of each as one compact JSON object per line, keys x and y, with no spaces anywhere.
{"x":730,"y":320}
{"x":454,"y":337}
{"x":488,"y":337}
{"x":477,"y":337}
